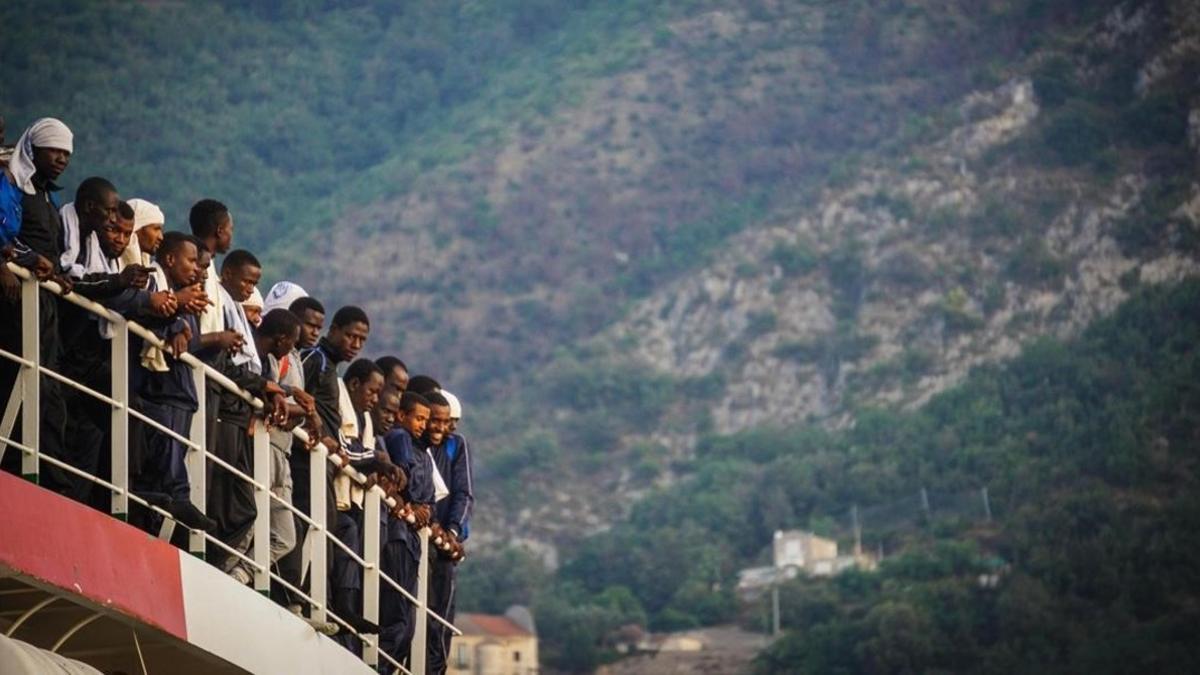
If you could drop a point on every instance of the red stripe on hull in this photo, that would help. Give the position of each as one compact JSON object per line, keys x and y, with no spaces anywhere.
{"x":87,"y":553}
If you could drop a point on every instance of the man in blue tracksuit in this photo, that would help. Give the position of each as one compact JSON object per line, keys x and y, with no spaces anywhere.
{"x":453,"y":461}
{"x":401,"y":550}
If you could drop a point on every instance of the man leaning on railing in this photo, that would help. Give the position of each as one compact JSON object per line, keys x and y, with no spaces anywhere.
{"x":452,"y":458}
{"x":163,"y":387}
{"x":401,"y":550}
{"x":32,"y":238}
{"x":346,"y":337}
{"x":231,"y":500}
{"x":275,"y":341}
{"x":97,"y":234}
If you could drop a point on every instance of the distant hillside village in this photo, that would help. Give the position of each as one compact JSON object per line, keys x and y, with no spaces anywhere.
{"x":495,"y":644}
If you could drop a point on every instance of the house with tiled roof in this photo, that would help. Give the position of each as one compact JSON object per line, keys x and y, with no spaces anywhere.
{"x":494,"y":644}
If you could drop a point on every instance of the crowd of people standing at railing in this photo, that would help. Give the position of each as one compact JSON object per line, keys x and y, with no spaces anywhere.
{"x":400,"y":432}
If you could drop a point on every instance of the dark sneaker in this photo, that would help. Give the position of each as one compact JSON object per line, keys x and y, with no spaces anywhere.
{"x":187,"y":513}
{"x":360,"y":624}
{"x":160,"y":499}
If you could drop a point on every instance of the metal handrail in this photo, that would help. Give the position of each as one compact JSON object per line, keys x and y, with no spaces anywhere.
{"x":121,"y":493}
{"x":390,"y":502}
{"x":105,"y":313}
{"x":59,"y":377}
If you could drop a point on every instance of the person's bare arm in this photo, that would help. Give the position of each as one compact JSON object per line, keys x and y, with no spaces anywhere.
{"x":226,"y":340}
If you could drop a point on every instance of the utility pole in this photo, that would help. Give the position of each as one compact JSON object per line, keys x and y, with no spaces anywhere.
{"x":857,"y":532}
{"x":775,"y":609}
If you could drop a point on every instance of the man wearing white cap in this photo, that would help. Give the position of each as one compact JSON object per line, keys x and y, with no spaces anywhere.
{"x":282,"y":295}
{"x":452,"y":458}
{"x":455,"y":410}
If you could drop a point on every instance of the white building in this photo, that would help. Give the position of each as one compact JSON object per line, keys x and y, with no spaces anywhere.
{"x":803,"y":550}
{"x":797,"y":551}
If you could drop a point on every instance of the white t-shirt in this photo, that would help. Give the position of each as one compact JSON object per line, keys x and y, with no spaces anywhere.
{"x":213,"y":318}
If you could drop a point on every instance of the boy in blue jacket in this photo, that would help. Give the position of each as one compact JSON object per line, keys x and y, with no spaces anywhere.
{"x":401,"y":548}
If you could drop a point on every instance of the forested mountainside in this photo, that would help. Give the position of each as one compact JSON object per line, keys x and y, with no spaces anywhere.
{"x":1093,"y":446}
{"x":646,"y":240}
{"x":1028,"y":207}
{"x":1088,"y":449}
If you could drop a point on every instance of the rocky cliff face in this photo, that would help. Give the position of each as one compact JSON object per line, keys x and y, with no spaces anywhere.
{"x":881,"y":295}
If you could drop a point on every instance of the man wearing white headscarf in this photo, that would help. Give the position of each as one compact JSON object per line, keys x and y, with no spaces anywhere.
{"x":42,"y":154}
{"x":148,"y":222}
{"x":252,"y":307}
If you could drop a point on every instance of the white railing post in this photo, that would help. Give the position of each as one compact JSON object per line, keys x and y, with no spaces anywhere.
{"x":10,"y":412}
{"x":371,"y":545}
{"x":120,"y":419}
{"x":420,"y":615}
{"x":197,"y":459}
{"x":31,"y":390}
{"x":261,"y":550}
{"x":317,"y":569}
{"x":14,"y":403}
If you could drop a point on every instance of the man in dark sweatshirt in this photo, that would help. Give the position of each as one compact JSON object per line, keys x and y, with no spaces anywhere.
{"x":165,"y":389}
{"x":453,"y":461}
{"x":363,"y":381}
{"x":86,"y":339}
{"x":401,"y":550}
{"x":348,"y":332}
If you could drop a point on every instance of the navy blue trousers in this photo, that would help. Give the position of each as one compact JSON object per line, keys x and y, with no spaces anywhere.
{"x":164,"y":464}
{"x":442,"y":574}
{"x":396,"y":613}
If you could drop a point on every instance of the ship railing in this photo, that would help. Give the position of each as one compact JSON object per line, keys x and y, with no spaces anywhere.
{"x":25,"y":402}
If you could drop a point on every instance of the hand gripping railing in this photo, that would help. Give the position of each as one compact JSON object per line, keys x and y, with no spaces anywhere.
{"x":26,"y":397}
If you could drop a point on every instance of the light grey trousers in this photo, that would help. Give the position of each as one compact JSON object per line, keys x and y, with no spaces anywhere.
{"x":283,"y":523}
